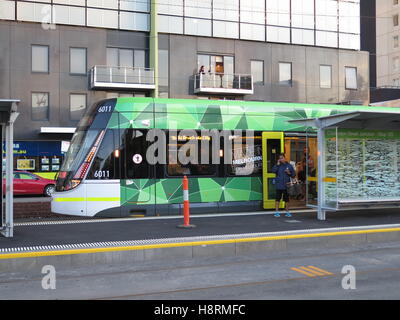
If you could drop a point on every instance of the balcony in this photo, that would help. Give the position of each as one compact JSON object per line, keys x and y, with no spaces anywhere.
{"x":214,"y":83}
{"x":106,"y":77}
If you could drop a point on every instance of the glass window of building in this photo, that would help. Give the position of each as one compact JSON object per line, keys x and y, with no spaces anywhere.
{"x":351,"y":78}
{"x":77,"y":62}
{"x":40,"y":106}
{"x":278,"y":13}
{"x":225,"y":29}
{"x":173,"y":7}
{"x":198,"y":27}
{"x":326,"y":15}
{"x":396,"y":63}
{"x":126,"y":57}
{"x":303,"y":14}
{"x":252,"y":11}
{"x":216,"y":64}
{"x":285,"y":73}
{"x":40,"y":58}
{"x":257,"y":71}
{"x":163,"y":72}
{"x":395,"y":20}
{"x":198,"y":8}
{"x":77,"y":105}
{"x":325,"y":77}
{"x":227,"y":10}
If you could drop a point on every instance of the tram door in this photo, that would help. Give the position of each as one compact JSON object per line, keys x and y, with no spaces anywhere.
{"x":272,"y":146}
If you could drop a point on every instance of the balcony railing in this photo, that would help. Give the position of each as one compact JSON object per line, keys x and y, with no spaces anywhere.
{"x":122,"y":78}
{"x":223,"y":83}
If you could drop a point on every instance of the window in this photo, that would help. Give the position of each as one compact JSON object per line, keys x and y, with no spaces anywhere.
{"x":396,"y":64}
{"x":257,"y":71}
{"x":77,"y":106}
{"x":351,"y":78}
{"x":285,"y":73}
{"x":325,"y":77}
{"x":126,"y":57}
{"x":195,"y":166}
{"x":395,"y":20}
{"x":26,"y":176}
{"x":134,"y":150}
{"x":77,"y":63}
{"x":40,"y":58}
{"x":216,"y":64}
{"x":40,"y":106}
{"x":395,"y":41}
{"x":106,"y":163}
{"x":163,"y":72}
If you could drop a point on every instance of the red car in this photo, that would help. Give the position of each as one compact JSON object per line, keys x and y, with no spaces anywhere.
{"x":29,"y":183}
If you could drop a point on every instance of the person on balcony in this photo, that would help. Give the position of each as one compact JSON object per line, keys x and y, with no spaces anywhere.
{"x":201,"y":70}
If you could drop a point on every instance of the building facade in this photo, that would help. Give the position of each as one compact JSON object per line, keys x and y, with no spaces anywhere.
{"x":387,"y":43}
{"x":60,"y":56}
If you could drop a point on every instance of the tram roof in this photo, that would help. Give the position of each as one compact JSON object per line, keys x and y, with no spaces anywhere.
{"x":371,"y":120}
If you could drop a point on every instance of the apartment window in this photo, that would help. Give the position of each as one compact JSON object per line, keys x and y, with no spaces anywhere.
{"x":257,"y":71}
{"x":77,"y":61}
{"x":325,"y":77}
{"x":216,"y":64}
{"x":395,"y":41}
{"x":396,"y":63}
{"x":396,"y":20}
{"x":126,"y":57}
{"x":40,"y":58}
{"x":77,"y":106}
{"x":40,"y":106}
{"x":285,"y":73}
{"x":351,"y":78}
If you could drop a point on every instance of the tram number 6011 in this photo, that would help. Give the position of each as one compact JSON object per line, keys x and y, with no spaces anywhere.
{"x":102,"y":174}
{"x":105,"y":109}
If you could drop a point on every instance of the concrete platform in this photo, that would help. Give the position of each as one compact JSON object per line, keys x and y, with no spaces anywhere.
{"x":93,"y":241}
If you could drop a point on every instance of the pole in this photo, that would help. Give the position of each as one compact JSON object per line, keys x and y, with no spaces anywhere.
{"x":186,"y":209}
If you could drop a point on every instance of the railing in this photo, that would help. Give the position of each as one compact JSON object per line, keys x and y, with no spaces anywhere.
{"x":223,"y":83}
{"x":122,"y":77}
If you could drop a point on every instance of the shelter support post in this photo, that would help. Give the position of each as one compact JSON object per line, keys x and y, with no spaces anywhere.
{"x":321,"y":174}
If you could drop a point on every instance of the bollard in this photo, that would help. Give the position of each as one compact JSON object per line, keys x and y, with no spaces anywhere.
{"x":186,"y":210}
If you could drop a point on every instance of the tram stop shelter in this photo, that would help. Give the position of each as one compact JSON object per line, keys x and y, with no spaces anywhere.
{"x":358,"y":161}
{"x":8,"y":115}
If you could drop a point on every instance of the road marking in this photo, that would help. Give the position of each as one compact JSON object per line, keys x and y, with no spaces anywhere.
{"x":303,"y":272}
{"x":312,"y":271}
{"x":321,"y":270}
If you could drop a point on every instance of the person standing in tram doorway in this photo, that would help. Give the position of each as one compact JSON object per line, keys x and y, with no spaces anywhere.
{"x":284,"y":171}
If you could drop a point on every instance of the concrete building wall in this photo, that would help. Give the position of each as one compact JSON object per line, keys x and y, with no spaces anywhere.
{"x":17,"y":81}
{"x":305,"y":69}
{"x":388,"y":74}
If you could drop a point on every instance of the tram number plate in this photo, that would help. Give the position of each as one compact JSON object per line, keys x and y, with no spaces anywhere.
{"x":105,"y":109}
{"x":102,"y":174}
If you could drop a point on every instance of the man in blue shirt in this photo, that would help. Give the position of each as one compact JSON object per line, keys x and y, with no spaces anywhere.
{"x":284,"y":171}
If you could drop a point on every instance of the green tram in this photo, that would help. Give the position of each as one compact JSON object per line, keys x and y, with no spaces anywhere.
{"x":106,"y":172}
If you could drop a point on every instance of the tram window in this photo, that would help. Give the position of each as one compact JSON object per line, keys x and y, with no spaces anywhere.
{"x":105,"y":165}
{"x":175,"y":168}
{"x":133,"y":151}
{"x":246,"y":157}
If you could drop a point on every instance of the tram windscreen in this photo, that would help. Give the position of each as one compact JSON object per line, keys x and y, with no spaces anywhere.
{"x":84,"y":143}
